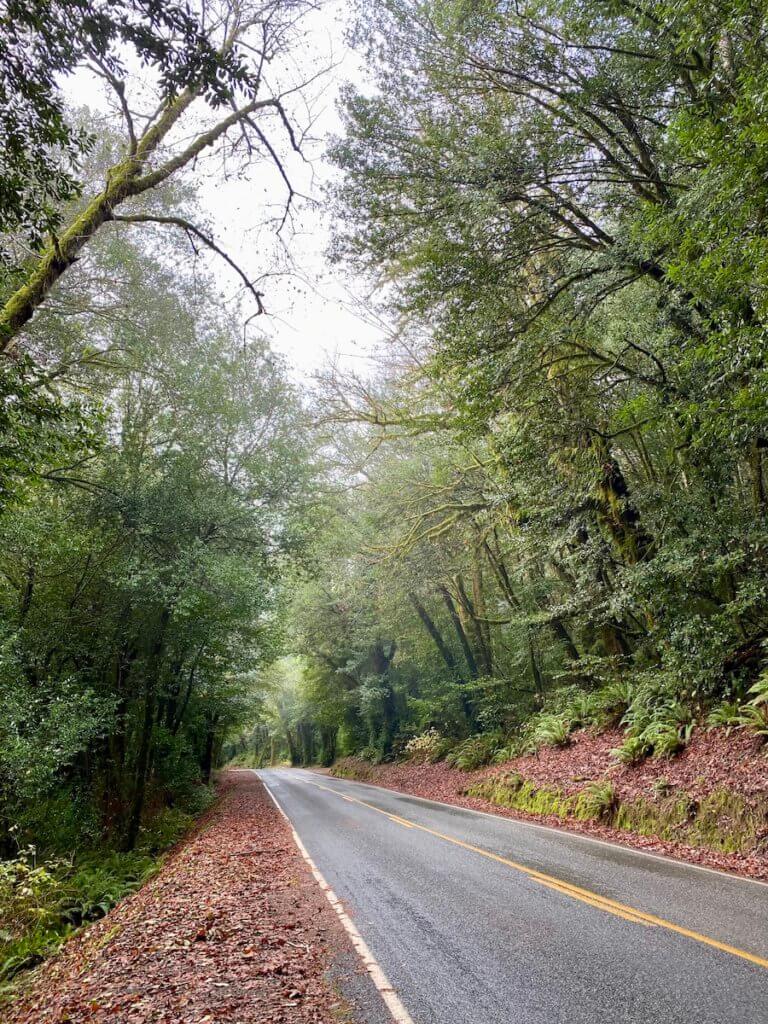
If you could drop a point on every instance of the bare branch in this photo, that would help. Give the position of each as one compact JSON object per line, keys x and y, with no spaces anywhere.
{"x":191,"y":229}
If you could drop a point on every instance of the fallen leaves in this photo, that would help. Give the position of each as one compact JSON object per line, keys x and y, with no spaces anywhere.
{"x":233,"y":930}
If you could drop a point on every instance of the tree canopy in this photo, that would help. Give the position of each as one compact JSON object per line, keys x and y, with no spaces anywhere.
{"x":558,"y":483}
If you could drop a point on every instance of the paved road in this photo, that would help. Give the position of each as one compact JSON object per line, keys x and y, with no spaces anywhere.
{"x":482,"y":920}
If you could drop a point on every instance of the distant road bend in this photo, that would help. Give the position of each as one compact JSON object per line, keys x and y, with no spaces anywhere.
{"x":482,"y":920}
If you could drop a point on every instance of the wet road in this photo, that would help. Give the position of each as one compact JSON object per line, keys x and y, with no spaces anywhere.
{"x":477,"y":919}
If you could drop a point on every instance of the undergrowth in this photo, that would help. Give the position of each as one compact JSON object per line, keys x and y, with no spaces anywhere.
{"x":42,"y":902}
{"x":723,"y":821}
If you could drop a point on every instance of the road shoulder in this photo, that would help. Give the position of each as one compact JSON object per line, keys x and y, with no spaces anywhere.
{"x":232,"y":929}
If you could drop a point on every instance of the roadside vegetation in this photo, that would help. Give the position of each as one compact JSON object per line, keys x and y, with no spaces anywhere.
{"x":556,"y":514}
{"x":45,"y":901}
{"x":539,"y":522}
{"x":157,"y":476}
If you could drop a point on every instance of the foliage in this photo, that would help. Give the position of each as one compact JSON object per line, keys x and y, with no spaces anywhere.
{"x":752,"y":715}
{"x":426,"y":748}
{"x":598,"y":801}
{"x":140,"y":577}
{"x":722,"y":820}
{"x":42,"y":40}
{"x":551,"y":731}
{"x":632,"y":750}
{"x":474,"y":752}
{"x":41,"y":903}
{"x":557,"y":513}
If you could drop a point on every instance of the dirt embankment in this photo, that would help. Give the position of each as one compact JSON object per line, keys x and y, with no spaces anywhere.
{"x":232,"y":930}
{"x":708,"y":805}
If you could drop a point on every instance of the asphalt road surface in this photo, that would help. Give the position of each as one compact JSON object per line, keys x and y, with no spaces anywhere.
{"x":477,"y":919}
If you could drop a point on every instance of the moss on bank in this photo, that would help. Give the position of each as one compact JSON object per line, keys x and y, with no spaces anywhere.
{"x":723,"y":821}
{"x":353,"y":768}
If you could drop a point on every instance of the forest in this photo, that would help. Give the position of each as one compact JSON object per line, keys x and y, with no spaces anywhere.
{"x":543,"y":505}
{"x":555,"y":512}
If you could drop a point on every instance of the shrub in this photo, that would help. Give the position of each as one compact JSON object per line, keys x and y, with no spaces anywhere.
{"x":67,"y":820}
{"x":41,"y":904}
{"x":474,"y":752}
{"x":760,"y":690}
{"x":370,"y":754}
{"x":163,"y":830}
{"x":614,"y":701}
{"x":426,"y":748}
{"x":512,"y":748}
{"x":657,"y":723}
{"x":586,"y":709}
{"x":726,"y":715}
{"x":755,"y":718}
{"x":632,"y":750}
{"x":352,"y":768}
{"x":754,"y":715}
{"x":29,"y":893}
{"x":665,"y":739}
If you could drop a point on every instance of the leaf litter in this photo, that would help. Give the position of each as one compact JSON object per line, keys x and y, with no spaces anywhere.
{"x":232,"y":930}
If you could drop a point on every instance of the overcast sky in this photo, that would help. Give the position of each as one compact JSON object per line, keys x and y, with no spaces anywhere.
{"x":311,"y":316}
{"x":310,"y":310}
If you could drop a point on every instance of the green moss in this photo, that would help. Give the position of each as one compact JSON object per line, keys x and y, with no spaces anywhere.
{"x":728,"y":822}
{"x":352,"y":768}
{"x":525,"y":796}
{"x":596,"y":802}
{"x":722,"y":821}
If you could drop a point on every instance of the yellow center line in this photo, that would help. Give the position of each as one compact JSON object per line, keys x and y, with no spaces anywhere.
{"x":592,"y":899}
{"x":401,"y":821}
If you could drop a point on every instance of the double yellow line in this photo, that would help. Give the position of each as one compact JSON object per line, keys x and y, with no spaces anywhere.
{"x":575,"y":892}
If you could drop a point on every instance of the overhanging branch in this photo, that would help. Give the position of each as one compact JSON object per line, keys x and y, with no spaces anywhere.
{"x":193,"y":230}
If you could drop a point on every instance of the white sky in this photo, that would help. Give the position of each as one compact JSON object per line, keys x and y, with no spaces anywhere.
{"x":310,"y":310}
{"x":310,"y":316}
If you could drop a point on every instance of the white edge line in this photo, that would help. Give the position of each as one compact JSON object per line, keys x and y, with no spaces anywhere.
{"x":552,"y":829}
{"x":397,"y":1011}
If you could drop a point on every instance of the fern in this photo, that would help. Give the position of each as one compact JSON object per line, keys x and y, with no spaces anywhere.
{"x":726,"y":715}
{"x":552,"y":731}
{"x":632,"y":750}
{"x":597,"y":801}
{"x":754,"y":716}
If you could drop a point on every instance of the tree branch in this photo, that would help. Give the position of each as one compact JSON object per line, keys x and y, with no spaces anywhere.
{"x":191,"y":229}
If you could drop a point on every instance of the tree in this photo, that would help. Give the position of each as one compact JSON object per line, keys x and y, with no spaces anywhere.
{"x":161,"y":140}
{"x":43,"y":39}
{"x":562,"y":483}
{"x":141,"y":581}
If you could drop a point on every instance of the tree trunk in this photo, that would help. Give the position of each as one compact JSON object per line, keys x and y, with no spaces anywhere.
{"x":466,"y":607}
{"x":758,"y":483}
{"x":445,"y":652}
{"x":556,"y":625}
{"x":208,"y":751}
{"x":483,"y":626}
{"x":142,"y":764}
{"x":328,"y":734}
{"x":616,"y":513}
{"x":460,"y":632}
{"x":145,"y":741}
